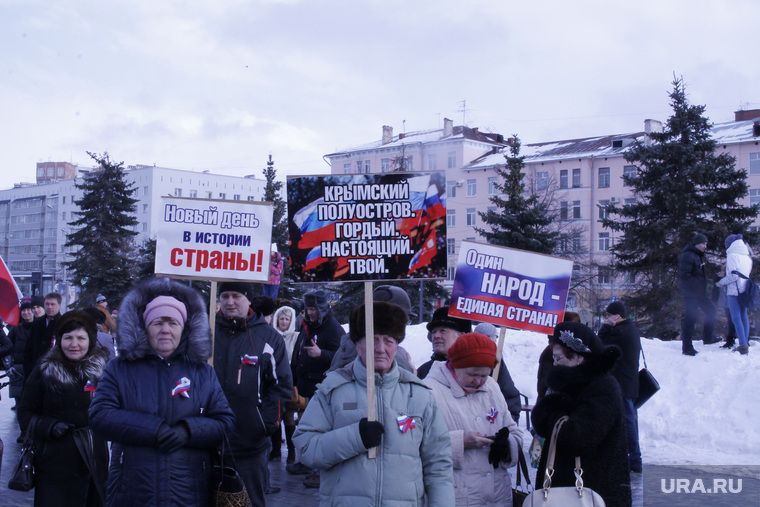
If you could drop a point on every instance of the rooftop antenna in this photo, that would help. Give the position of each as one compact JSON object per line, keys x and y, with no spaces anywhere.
{"x":404,"y":125}
{"x":463,"y":111}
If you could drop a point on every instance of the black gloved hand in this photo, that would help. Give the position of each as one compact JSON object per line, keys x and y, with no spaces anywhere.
{"x":177,"y":438}
{"x":500,"y":448}
{"x":267,"y":373}
{"x":59,"y":429}
{"x":371,"y":432}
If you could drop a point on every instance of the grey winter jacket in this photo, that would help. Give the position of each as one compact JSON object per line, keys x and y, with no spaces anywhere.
{"x":408,"y":466}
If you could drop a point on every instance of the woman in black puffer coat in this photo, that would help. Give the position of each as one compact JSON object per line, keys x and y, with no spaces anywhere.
{"x":71,"y":463}
{"x":581,"y":387}
{"x":159,"y":402}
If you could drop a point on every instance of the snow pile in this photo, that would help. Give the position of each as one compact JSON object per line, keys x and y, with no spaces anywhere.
{"x":707,"y":412}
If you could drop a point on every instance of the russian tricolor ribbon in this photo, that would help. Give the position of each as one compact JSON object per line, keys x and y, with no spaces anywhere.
{"x":491,"y":416}
{"x":89,"y":387}
{"x":182,"y":388}
{"x":405,"y":423}
{"x":252,"y":360}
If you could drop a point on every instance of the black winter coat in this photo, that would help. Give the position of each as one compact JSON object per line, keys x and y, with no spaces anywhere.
{"x":55,"y":392}
{"x":309,"y":371}
{"x":691,"y":272}
{"x":39,"y":341}
{"x":137,"y":394}
{"x":18,"y":336}
{"x":596,"y":430}
{"x":626,"y":371}
{"x":258,"y":393}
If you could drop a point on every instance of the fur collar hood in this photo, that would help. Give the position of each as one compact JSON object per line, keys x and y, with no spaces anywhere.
{"x":570,"y":379}
{"x":132,"y":337}
{"x":58,"y":371}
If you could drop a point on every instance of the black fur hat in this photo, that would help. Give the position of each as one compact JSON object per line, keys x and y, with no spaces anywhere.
{"x":389,"y":320}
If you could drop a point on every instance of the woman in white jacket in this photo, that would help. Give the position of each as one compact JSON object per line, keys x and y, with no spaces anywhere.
{"x":284,"y":322}
{"x":484,"y":437}
{"x":737,"y":259}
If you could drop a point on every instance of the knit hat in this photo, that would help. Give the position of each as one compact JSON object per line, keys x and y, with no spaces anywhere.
{"x":76,"y":319}
{"x":487,"y":329}
{"x":100,"y":299}
{"x":731,"y":239}
{"x":395,"y":296}
{"x":617,"y":308}
{"x":389,"y":319}
{"x":472,"y":350}
{"x":578,"y":338}
{"x":165,"y":306}
{"x":698,"y":239}
{"x":244,"y":288}
{"x":25,"y":303}
{"x":441,"y":319}
{"x":38,"y":301}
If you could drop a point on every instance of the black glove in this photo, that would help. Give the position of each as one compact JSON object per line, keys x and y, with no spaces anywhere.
{"x":371,"y":432}
{"x":267,"y":374}
{"x":499,"y":448}
{"x":170,"y":439}
{"x":59,"y":429}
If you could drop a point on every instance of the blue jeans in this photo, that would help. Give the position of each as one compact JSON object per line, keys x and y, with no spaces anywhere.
{"x":632,"y":427}
{"x":270,"y":290}
{"x":740,"y":319}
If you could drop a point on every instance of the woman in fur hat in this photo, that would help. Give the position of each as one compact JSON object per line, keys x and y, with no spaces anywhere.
{"x":159,"y":402}
{"x":581,"y":387}
{"x":71,"y":463}
{"x":484,"y":437}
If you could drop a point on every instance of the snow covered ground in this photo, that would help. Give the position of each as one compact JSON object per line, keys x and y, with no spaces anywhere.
{"x":707,"y":412}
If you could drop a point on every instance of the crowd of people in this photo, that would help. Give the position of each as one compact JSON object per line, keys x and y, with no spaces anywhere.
{"x":134,"y":407}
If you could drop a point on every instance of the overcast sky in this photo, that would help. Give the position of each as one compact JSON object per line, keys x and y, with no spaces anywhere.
{"x":220,"y":85}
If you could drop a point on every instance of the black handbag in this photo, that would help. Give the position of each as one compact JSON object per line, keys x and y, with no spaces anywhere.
{"x":518,"y":494}
{"x":750,"y":298}
{"x":24,"y":476}
{"x":648,"y":385}
{"x":227,"y":487}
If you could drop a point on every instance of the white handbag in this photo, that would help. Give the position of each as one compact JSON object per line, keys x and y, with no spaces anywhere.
{"x":577,"y":496}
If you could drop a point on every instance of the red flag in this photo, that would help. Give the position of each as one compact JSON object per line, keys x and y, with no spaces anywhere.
{"x":9,"y":296}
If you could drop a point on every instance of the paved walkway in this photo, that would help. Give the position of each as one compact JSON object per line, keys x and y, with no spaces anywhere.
{"x":293,"y":493}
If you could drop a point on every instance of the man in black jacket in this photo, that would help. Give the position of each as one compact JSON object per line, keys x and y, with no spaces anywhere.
{"x":693,"y":281}
{"x":252,"y":366}
{"x":618,"y":330}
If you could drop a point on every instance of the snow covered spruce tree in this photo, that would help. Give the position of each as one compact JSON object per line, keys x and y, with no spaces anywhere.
{"x":681,"y":187}
{"x":105,"y":259}
{"x":520,"y":220}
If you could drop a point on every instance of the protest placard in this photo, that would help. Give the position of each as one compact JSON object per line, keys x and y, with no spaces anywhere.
{"x":388,"y":226}
{"x":509,"y":287}
{"x":214,"y":240}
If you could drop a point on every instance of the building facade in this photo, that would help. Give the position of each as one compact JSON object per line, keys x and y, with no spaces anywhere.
{"x":576,"y":177}
{"x":35,"y":218}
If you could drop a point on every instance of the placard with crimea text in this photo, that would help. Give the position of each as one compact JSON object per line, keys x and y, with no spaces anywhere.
{"x":510,"y":287}
{"x":359,"y":227}
{"x":210,"y":239}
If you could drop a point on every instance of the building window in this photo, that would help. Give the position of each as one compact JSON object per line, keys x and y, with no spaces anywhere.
{"x":563,"y":178}
{"x":563,"y":243}
{"x":63,"y":201}
{"x":563,"y":210}
{"x":366,"y":166}
{"x":208,"y":195}
{"x":408,"y":164}
{"x":385,"y":165}
{"x":451,"y":246}
{"x":571,"y":300}
{"x":359,"y":165}
{"x":754,"y":163}
{"x":452,"y":273}
{"x":602,"y":212}
{"x":432,"y":163}
{"x":346,"y":168}
{"x":222,"y":195}
{"x":542,"y":180}
{"x":471,"y":216}
{"x":236,"y":197}
{"x":451,"y":188}
{"x":576,"y":242}
{"x":145,"y":208}
{"x":604,"y":177}
{"x":472,"y":188}
{"x":451,"y":218}
{"x":629,"y":171}
{"x":492,"y":189}
{"x":576,"y":178}
{"x":452,"y":159}
{"x":630,"y":201}
{"x":604,"y":241}
{"x":145,"y":192}
{"x":51,"y":172}
{"x":177,"y":192}
{"x":193,"y":193}
{"x":144,"y":227}
{"x":754,"y":196}
{"x":603,"y":275}
{"x":576,"y":209}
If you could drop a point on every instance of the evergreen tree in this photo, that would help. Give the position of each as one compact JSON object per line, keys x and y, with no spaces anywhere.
{"x":682,"y":187}
{"x":520,"y":220}
{"x":104,"y":261}
{"x":273,"y":194}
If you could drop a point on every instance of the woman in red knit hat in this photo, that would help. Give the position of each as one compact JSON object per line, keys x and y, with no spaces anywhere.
{"x":484,"y":437}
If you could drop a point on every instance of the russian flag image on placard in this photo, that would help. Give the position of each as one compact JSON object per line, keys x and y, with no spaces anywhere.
{"x":314,"y":258}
